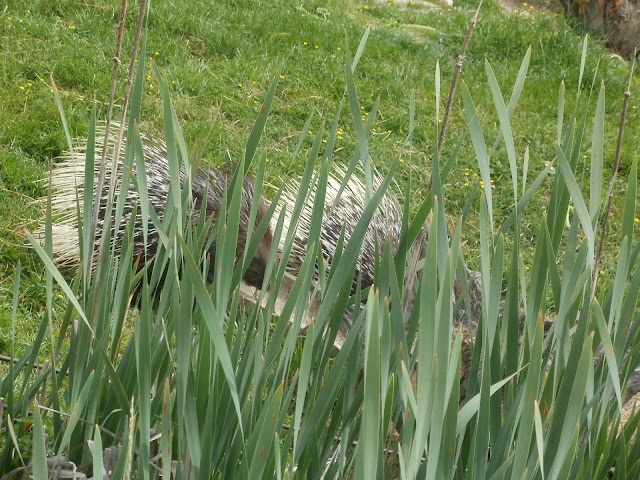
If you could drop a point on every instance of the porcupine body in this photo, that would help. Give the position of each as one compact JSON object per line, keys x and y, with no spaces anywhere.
{"x":342,"y":210}
{"x":67,"y":183}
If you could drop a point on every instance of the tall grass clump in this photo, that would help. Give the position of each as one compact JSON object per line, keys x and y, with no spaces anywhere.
{"x":184,"y":379}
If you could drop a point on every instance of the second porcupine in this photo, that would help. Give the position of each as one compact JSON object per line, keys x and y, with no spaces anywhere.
{"x":343,"y":208}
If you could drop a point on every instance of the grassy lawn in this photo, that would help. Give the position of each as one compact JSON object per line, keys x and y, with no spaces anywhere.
{"x":219,"y":59}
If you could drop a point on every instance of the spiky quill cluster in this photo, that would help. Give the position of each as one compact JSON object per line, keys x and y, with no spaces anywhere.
{"x":67,"y":185}
{"x":343,"y":206}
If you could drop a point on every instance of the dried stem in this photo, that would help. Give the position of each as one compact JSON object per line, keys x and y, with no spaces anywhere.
{"x":616,"y":166}
{"x":125,"y":106}
{"x":37,"y":366}
{"x":456,"y":76}
{"x":112,"y":94}
{"x":127,"y":95}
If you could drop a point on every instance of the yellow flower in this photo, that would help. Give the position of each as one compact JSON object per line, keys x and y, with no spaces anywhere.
{"x":72,"y":27}
{"x":281,"y":77}
{"x":305,"y":43}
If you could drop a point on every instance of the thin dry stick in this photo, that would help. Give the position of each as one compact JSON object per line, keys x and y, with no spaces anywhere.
{"x":456,"y":76}
{"x":616,"y":165}
{"x":127,"y":95}
{"x":112,"y":94}
{"x":37,"y":366}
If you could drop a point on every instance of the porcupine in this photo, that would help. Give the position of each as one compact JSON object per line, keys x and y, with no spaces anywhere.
{"x":67,"y":186}
{"x":341,"y":212}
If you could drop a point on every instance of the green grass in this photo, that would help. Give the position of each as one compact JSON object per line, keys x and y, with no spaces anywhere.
{"x":219,"y":59}
{"x":225,"y":393}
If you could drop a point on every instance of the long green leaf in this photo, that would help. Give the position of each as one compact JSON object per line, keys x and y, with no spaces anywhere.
{"x":214,"y":325}
{"x":609,"y":354}
{"x":39,"y":447}
{"x":505,"y":128}
{"x":482,"y":156}
{"x":597,"y":154}
{"x":578,"y":201}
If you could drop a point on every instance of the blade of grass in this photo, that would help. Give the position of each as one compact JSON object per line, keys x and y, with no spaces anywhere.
{"x":39,"y":459}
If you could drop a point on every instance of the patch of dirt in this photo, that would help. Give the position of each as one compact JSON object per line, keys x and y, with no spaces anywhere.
{"x":419,"y":3}
{"x":549,"y":7}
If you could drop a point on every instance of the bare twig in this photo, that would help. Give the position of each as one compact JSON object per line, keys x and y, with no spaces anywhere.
{"x":38,"y":366}
{"x":116,"y":152}
{"x":112,"y":94}
{"x":81,"y":420}
{"x":616,"y":166}
{"x":125,"y":105}
{"x":456,"y":76}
